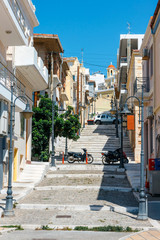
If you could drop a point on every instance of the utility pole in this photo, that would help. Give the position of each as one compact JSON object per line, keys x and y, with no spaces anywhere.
{"x":77,"y":90}
{"x":128,"y":46}
{"x":82,"y":57}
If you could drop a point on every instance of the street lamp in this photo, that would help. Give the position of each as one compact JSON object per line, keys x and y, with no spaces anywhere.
{"x":53,"y":164}
{"x":142,"y":213}
{"x":27,"y":113}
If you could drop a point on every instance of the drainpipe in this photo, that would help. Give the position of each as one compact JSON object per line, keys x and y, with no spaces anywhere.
{"x":154,"y":96}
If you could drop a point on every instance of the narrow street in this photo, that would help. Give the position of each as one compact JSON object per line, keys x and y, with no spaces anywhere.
{"x":79,"y":194}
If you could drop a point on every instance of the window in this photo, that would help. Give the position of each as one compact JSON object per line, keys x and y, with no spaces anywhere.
{"x":22,"y":129}
{"x":103,"y":116}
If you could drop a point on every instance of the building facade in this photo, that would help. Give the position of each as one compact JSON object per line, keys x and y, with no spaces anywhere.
{"x":22,"y":71}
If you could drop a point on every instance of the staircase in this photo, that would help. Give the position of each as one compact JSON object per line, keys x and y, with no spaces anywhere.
{"x":99,"y":138}
{"x":31,"y":175}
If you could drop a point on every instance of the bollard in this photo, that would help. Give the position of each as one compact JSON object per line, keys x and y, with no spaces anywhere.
{"x":86,"y":158}
{"x":62,"y":157}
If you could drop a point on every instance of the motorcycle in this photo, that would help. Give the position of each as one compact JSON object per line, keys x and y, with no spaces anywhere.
{"x":113,"y":157}
{"x":79,"y":157}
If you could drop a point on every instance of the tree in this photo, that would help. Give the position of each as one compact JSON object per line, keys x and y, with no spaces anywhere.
{"x":41,"y":129}
{"x":69,"y":124}
{"x":66,"y":125}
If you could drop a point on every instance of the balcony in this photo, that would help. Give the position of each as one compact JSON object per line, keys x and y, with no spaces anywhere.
{"x":142,"y":82}
{"x":32,"y":67}
{"x":123,"y":93}
{"x":86,"y":87}
{"x":15,"y":29}
{"x":56,"y":80}
{"x":123,"y":61}
{"x":64,"y":97}
{"x":7,"y":79}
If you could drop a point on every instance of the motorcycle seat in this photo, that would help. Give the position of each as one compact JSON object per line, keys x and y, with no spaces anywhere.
{"x":72,"y":153}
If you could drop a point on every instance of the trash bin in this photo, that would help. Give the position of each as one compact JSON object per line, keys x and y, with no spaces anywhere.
{"x":90,"y":122}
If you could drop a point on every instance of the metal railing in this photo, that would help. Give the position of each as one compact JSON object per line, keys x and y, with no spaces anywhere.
{"x":123,"y":86}
{"x":139,"y":82}
{"x":123,"y":60}
{"x":7,"y":78}
{"x":19,"y":16}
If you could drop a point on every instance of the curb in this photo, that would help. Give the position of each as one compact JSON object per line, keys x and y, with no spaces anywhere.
{"x":118,"y":189}
{"x":77,"y":208}
{"x":92,"y":175}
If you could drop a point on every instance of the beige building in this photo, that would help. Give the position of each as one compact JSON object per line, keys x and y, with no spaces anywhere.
{"x":133,"y":86}
{"x":77,"y":88}
{"x":148,"y":81}
{"x":154,"y":74}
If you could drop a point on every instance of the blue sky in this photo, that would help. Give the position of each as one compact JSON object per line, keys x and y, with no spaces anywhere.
{"x":94,"y":26}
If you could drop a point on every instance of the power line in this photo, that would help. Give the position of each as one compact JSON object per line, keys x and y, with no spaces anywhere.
{"x":96,"y":65}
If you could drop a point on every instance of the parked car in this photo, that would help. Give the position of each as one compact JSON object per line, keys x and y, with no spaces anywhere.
{"x":105,"y":118}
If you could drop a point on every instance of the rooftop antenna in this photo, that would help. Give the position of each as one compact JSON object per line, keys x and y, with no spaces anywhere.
{"x":129,"y":27}
{"x":82,"y":57}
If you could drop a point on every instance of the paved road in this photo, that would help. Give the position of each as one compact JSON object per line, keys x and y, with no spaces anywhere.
{"x":79,"y":206}
{"x":60,"y":235}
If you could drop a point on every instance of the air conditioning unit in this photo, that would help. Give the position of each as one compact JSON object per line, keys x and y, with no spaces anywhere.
{"x":3,"y":117}
{"x":150,"y":112}
{"x":145,"y":54}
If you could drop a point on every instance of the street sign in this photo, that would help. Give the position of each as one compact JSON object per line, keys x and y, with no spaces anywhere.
{"x":130,"y":122}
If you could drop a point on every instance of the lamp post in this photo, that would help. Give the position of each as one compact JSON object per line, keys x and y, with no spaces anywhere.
{"x":53,"y":164}
{"x":27,"y":113}
{"x":114,"y":110}
{"x":142,"y":212}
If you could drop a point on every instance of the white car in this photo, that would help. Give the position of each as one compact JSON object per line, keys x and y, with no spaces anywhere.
{"x":105,"y":118}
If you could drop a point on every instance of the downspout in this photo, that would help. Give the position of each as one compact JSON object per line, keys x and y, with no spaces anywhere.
{"x":154,"y":96}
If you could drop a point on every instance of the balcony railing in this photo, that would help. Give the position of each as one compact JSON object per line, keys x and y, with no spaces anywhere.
{"x":123,"y":60}
{"x":19,"y":16}
{"x":123,"y":86}
{"x":139,"y":83}
{"x":7,"y":79}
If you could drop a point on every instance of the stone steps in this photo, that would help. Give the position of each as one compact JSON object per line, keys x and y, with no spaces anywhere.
{"x":97,"y":139}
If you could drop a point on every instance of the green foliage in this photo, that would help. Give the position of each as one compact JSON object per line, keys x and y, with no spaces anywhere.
{"x":18,"y":227}
{"x":65,"y":125}
{"x":41,"y":128}
{"x":105,"y":229}
{"x":46,"y":227}
{"x":69,"y":124}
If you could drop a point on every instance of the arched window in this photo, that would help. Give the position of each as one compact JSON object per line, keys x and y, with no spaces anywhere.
{"x":111,"y":72}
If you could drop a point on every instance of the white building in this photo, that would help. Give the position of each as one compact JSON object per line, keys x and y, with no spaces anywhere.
{"x":128,"y":42}
{"x":98,"y":78}
{"x":21,"y":68}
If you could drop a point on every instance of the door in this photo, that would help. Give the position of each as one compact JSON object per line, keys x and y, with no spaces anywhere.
{"x":15,"y":163}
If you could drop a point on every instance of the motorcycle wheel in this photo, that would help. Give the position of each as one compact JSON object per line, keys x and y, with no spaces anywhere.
{"x":90,"y":159}
{"x":125,"y":160}
{"x":105,"y":160}
{"x":70,"y":159}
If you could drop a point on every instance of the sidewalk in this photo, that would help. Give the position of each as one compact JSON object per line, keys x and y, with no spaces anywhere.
{"x":133,"y":175}
{"x":145,"y":235}
{"x":30,"y":177}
